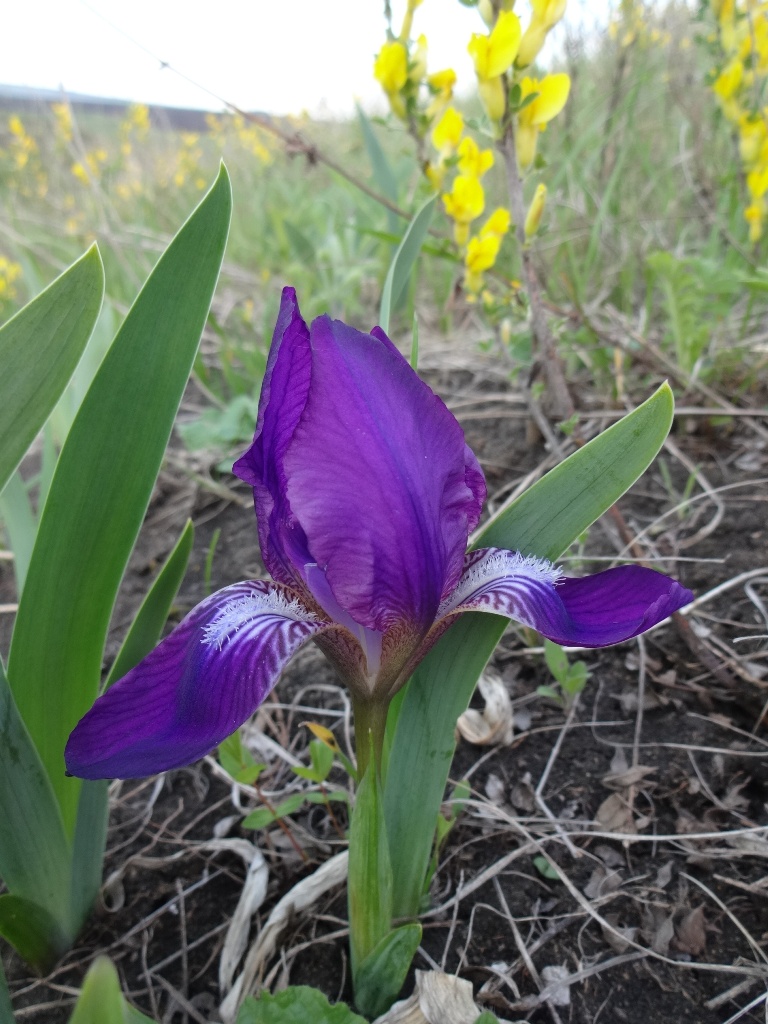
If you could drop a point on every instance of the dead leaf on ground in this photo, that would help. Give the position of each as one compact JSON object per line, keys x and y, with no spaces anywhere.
{"x":602,"y":883}
{"x":658,"y":928}
{"x":614,"y":815}
{"x":691,"y":933}
{"x":556,"y":992}
{"x":437,"y":999}
{"x":629,"y":777}
{"x":619,"y":937}
{"x":495,"y":724}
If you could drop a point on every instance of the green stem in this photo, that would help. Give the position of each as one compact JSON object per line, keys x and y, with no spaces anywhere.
{"x":370,"y":718}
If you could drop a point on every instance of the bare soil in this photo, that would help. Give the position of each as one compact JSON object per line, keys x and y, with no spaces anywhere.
{"x":619,"y":837}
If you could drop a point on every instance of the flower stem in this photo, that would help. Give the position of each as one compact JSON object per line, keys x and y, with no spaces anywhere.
{"x":370,"y":719}
{"x":557,"y":389}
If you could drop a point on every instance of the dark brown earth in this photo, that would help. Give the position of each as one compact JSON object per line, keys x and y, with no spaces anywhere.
{"x":660,"y":744}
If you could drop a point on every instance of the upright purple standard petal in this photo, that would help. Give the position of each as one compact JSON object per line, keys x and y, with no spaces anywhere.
{"x":284,"y":394}
{"x":202,"y":682}
{"x":379,"y":477}
{"x":594,"y":611}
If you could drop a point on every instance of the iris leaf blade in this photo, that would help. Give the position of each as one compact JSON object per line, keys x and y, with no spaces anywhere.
{"x":102,"y":486}
{"x":39,"y":350}
{"x":543,"y":521}
{"x":34,"y":851}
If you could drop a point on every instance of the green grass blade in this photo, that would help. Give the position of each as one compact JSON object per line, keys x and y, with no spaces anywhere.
{"x":151,"y":617}
{"x":33,"y":932}
{"x":21,"y":526}
{"x":39,"y":350}
{"x":543,"y":521}
{"x":100,"y":1000}
{"x":91,"y":827}
{"x":383,"y":174}
{"x":403,"y":261}
{"x":88,"y":846}
{"x":101,"y":489}
{"x":34,"y":850}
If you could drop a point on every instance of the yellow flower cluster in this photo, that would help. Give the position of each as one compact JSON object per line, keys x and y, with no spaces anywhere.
{"x":512,"y":98}
{"x":400,"y":69}
{"x":742,"y":31}
{"x":134,"y":127}
{"x":62,"y":115}
{"x":88,"y":170}
{"x":10,"y":272}
{"x":250,"y":136}
{"x":25,"y":172}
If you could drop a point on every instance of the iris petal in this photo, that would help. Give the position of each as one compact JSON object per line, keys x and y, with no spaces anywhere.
{"x":203,"y":681}
{"x":381,"y":480}
{"x":284,"y":394}
{"x":593,"y":611}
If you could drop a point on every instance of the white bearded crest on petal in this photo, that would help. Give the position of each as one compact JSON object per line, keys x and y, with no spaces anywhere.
{"x":490,"y":573}
{"x":241,"y":612}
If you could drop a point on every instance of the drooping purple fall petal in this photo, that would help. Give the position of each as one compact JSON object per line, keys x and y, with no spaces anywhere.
{"x":204,"y":680}
{"x":592,"y":611}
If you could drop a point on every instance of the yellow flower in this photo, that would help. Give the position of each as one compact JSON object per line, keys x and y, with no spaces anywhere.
{"x":391,"y":71}
{"x":552,"y":95}
{"x":405,"y":31}
{"x":757,"y":183}
{"x":419,"y":62}
{"x":447,"y":132}
{"x":482,"y":253}
{"x":752,"y":138}
{"x":549,"y":12}
{"x":463,"y":204}
{"x":546,"y":14}
{"x":441,"y":85}
{"x":729,"y":80}
{"x":754,"y":215}
{"x":63,"y":115}
{"x":466,"y":200}
{"x":533,"y":39}
{"x":474,"y":162}
{"x":535,"y":210}
{"x":493,"y":55}
{"x":497,"y":224}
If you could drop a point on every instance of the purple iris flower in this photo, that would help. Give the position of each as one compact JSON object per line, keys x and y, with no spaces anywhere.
{"x":365,"y":494}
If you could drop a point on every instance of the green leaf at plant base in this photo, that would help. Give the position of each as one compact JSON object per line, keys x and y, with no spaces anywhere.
{"x":34,"y":851}
{"x":102,"y":486}
{"x":92,"y":811}
{"x":382,"y":974}
{"x":39,"y":350}
{"x":34,"y":933}
{"x":298,"y":1004}
{"x":543,"y":521}
{"x":403,"y":261}
{"x":101,"y":1001}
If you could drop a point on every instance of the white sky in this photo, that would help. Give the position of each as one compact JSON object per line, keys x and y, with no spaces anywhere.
{"x":281,"y":56}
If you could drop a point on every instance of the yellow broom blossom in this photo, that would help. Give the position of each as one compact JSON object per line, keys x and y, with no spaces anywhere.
{"x":493,"y":55}
{"x":552,"y":94}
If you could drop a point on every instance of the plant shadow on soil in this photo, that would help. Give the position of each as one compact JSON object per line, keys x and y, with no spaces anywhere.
{"x":655,"y":747}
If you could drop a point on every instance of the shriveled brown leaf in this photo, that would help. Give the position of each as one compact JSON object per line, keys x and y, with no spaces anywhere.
{"x":691,"y":933}
{"x":614,"y":815}
{"x":495,"y":724}
{"x":602,"y":882}
{"x":437,"y":999}
{"x":620,"y":942}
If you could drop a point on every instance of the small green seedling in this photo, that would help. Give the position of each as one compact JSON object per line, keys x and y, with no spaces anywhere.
{"x":571,"y":678}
